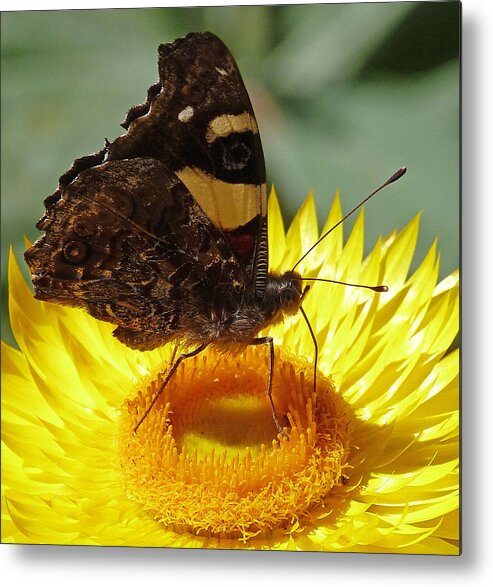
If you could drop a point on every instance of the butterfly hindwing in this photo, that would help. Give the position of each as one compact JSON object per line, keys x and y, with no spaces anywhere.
{"x":128,"y":242}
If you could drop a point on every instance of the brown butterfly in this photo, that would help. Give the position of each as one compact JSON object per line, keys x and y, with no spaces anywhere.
{"x":164,"y":231}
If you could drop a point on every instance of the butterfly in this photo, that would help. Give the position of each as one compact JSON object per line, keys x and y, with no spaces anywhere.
{"x":163,"y":232}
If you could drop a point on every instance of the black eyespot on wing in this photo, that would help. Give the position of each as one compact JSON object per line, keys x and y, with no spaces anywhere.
{"x":236,"y":156}
{"x":234,"y":160}
{"x":75,"y":252}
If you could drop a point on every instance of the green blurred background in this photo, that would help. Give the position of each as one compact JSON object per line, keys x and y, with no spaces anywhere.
{"x":344,"y":95}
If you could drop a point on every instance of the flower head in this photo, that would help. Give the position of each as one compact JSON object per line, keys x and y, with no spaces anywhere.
{"x":370,"y":461}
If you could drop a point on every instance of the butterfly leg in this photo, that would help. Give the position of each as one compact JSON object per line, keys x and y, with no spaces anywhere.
{"x":315,"y":347}
{"x":169,"y":375}
{"x":270,"y":341}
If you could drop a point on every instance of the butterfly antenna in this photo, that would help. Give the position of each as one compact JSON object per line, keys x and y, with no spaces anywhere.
{"x":377,"y":288}
{"x":394,"y":177}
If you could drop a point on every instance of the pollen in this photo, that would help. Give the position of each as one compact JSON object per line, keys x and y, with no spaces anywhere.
{"x":208,"y":460}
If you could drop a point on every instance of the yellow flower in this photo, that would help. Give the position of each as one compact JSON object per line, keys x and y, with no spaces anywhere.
{"x":369,"y":464}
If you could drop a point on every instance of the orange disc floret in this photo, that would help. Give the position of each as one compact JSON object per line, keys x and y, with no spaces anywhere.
{"x":208,"y":459}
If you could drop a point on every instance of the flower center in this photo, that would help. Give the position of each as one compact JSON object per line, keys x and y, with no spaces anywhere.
{"x":208,"y":459}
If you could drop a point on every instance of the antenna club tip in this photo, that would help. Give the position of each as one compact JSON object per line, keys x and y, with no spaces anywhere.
{"x":397,"y":175}
{"x":381,"y":288}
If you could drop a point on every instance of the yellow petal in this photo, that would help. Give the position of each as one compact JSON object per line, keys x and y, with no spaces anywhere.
{"x":65,"y":389}
{"x":277,"y":235}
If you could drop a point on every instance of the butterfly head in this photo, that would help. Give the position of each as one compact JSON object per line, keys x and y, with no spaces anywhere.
{"x":283,"y":295}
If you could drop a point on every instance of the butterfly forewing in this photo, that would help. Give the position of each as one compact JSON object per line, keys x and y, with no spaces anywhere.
{"x":201,"y":125}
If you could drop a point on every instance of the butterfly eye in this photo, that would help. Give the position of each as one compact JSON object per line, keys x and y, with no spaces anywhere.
{"x":289,"y":298}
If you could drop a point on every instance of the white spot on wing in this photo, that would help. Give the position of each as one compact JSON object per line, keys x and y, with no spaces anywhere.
{"x":221,"y":71}
{"x":186,"y":114}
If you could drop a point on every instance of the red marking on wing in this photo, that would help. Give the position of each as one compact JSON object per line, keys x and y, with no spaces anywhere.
{"x":243,"y":245}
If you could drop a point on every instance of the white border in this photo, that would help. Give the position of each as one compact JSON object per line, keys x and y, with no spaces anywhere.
{"x":82,"y":566}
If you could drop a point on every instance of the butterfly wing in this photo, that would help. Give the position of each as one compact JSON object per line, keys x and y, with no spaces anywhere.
{"x":124,"y":236}
{"x":128,"y":242}
{"x":199,"y":121}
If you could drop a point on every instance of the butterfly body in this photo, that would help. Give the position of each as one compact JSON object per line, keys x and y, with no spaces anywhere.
{"x":232,"y":326}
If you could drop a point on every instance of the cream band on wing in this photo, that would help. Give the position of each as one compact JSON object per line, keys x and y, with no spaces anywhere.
{"x":224,"y":125}
{"x":228,"y":205}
